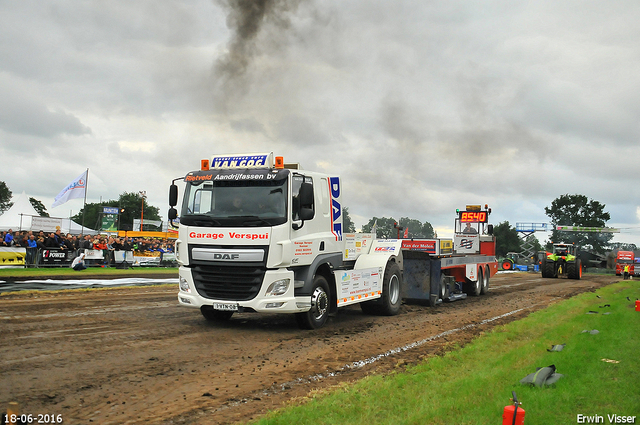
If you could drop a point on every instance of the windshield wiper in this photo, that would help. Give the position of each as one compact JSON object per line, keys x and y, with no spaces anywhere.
{"x":253,"y":219}
{"x":199,"y":219}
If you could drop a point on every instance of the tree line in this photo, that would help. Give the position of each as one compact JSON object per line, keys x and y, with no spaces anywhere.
{"x":565,"y":210}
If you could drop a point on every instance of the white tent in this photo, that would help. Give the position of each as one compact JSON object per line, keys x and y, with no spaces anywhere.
{"x":19,"y":217}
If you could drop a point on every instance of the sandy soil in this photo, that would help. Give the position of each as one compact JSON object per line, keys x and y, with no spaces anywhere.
{"x":132,"y":355}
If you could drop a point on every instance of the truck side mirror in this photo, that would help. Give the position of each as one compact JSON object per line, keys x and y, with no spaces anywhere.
{"x":173,"y":214}
{"x":306,"y":213}
{"x":306,"y":195}
{"x":173,"y":195}
{"x":303,"y":203}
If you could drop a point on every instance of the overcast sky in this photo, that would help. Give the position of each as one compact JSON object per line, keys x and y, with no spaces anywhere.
{"x":421,"y":107}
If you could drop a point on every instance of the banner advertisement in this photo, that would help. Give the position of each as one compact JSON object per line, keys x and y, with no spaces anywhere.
{"x":109,"y":222}
{"x":47,"y":224}
{"x":57,"y":257}
{"x":12,"y":256}
{"x":155,"y":223}
{"x":146,"y":258}
{"x":466,"y":243}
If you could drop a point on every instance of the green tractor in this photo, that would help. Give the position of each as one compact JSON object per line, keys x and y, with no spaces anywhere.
{"x":509,"y":261}
{"x":562,"y":262}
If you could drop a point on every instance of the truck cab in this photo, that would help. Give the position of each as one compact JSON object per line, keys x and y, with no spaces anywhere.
{"x":625,"y":258}
{"x":258,"y":235}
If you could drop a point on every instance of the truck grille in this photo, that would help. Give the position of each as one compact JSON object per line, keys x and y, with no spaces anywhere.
{"x":237,"y":283}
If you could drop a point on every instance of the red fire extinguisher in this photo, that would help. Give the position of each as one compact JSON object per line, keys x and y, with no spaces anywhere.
{"x":513,"y":415}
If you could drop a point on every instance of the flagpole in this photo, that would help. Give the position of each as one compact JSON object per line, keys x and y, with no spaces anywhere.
{"x":84,"y":208}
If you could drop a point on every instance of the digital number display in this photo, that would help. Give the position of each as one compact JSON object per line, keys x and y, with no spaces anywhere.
{"x":473,"y":216}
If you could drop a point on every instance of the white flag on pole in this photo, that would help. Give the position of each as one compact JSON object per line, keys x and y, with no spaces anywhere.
{"x":75,"y":189}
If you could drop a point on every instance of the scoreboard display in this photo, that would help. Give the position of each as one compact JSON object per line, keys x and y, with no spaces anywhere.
{"x":473,"y":217}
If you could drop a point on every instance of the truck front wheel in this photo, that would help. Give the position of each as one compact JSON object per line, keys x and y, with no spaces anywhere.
{"x":317,"y":316}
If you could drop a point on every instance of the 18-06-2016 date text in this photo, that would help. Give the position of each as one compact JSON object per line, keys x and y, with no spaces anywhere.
{"x":33,"y":419}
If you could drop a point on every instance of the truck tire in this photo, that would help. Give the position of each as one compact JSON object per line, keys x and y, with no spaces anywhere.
{"x":549,"y":269}
{"x":389,"y":303}
{"x":391,"y":287}
{"x":476,"y":288}
{"x":574,"y":270}
{"x":215,"y":315}
{"x":443,"y":287}
{"x":317,"y":316}
{"x":485,"y":281}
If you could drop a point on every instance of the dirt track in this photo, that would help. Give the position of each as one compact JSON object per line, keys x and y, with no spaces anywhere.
{"x":132,"y":355}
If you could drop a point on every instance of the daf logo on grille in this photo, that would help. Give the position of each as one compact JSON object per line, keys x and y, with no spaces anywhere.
{"x":217,"y":254}
{"x":225,"y":256}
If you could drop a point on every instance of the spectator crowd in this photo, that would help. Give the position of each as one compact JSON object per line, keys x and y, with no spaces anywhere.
{"x":34,"y":242}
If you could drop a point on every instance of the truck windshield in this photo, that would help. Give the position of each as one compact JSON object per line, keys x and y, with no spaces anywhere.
{"x":225,"y":199}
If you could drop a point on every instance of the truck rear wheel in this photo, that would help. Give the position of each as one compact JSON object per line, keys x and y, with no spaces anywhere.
{"x":485,"y":281}
{"x":391,"y":284}
{"x":476,"y":287}
{"x":317,"y":316}
{"x":215,"y":315}
{"x":389,"y":303}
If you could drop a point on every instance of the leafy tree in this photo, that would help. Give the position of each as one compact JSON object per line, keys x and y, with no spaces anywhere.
{"x":384,"y":227}
{"x":622,"y":246}
{"x":416,"y":228}
{"x":507,"y":239}
{"x":347,"y":223}
{"x":39,"y":207}
{"x":5,"y":197}
{"x":577,"y":210}
{"x":130,"y":205}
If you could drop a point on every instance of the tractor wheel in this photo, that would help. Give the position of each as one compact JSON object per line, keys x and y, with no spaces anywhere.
{"x":549,"y":269}
{"x":574,"y":270}
{"x":507,"y":264}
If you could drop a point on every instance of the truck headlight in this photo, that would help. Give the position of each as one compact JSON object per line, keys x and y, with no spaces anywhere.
{"x":184,"y":285}
{"x":279,"y":287}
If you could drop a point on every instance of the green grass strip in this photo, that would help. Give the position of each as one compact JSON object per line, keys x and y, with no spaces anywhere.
{"x":471,"y":385}
{"x":93,"y":271}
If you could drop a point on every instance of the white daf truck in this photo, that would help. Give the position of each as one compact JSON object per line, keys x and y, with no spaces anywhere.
{"x":258,"y":235}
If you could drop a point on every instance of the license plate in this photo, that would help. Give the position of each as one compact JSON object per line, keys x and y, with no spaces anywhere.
{"x":225,"y":307}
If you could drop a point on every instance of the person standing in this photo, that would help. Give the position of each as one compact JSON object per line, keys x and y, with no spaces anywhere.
{"x":32,"y":250}
{"x":8,"y":238}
